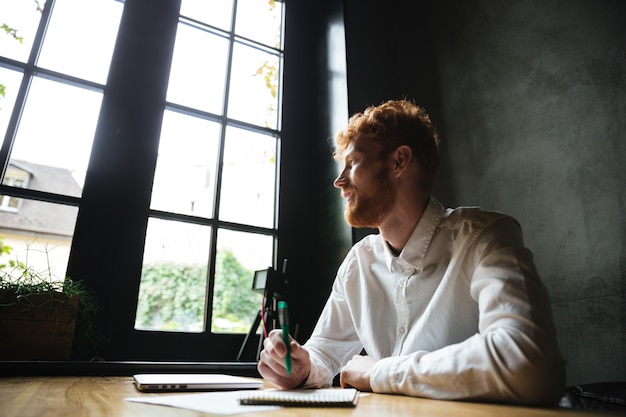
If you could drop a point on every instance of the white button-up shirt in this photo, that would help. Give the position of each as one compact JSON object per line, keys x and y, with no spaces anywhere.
{"x":460,"y":314}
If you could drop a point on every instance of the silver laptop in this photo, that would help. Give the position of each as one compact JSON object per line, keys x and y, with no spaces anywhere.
{"x":193,"y":382}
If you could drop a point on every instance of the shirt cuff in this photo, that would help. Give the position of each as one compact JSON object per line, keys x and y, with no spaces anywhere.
{"x":318,"y":376}
{"x":382,"y":377}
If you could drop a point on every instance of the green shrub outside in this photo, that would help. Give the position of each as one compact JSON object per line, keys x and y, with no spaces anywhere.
{"x":173,"y":294}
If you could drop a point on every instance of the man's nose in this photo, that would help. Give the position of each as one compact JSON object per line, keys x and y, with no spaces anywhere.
{"x":340,"y":181}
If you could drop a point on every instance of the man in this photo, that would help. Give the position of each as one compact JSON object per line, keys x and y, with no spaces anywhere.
{"x":446,"y":303}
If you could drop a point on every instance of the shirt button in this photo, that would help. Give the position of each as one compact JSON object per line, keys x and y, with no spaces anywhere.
{"x":402,"y":330}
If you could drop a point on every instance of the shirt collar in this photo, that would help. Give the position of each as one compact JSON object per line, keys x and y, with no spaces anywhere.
{"x":412,"y":256}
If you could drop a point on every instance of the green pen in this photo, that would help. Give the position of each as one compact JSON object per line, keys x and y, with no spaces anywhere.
{"x":283,"y":316}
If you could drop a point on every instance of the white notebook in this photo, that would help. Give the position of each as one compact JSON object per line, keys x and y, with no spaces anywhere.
{"x":327,"y":397}
{"x":194,"y":382}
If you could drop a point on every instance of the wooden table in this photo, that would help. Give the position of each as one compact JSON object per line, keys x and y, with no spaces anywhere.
{"x":97,"y":396}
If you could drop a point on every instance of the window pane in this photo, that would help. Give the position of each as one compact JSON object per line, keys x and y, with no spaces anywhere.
{"x":40,"y":235}
{"x":254,"y":87}
{"x":260,"y":21}
{"x":56,"y":131}
{"x":24,"y":17}
{"x":172,"y":293}
{"x":239,"y":254}
{"x":11,"y":81}
{"x":214,"y":13}
{"x":185,"y":174}
{"x":188,"y":164}
{"x":198,"y":69}
{"x":80,"y":38}
{"x":248,"y":178}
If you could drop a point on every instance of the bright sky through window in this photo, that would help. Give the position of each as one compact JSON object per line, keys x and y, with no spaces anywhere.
{"x":219,"y":138}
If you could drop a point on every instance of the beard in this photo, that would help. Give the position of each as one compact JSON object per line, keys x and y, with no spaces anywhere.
{"x":369,"y":207}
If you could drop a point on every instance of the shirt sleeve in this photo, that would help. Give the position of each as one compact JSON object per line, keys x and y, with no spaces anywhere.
{"x":513,"y":357}
{"x":334,"y":340}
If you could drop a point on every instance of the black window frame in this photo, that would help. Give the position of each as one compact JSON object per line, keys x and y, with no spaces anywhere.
{"x":108,"y":240}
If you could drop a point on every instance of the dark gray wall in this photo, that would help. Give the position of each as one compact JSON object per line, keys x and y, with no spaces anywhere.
{"x":530,"y":99}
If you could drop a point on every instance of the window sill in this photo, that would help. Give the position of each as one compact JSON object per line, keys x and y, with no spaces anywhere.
{"x":122,"y":368}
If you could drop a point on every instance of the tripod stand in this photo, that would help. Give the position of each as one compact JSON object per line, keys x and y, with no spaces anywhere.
{"x":268,"y":316}
{"x":274,"y":287}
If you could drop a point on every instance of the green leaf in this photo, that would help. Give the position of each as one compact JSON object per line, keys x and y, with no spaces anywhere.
{"x":12,"y":32}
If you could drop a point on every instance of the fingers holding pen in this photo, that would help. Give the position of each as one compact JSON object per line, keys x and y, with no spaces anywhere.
{"x":272,"y":362}
{"x":274,"y":343}
{"x":274,"y":351}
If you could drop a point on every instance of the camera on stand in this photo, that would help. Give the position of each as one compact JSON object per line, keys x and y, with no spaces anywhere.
{"x":274,"y":287}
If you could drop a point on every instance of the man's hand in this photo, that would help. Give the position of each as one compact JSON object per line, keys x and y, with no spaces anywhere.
{"x":272,"y":362}
{"x":356,"y":373}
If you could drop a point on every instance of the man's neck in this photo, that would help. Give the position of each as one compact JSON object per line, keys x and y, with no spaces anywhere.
{"x":398,"y":226}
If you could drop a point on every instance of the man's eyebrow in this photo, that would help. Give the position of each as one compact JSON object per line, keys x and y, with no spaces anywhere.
{"x":349,"y":157}
{"x":351,"y":153}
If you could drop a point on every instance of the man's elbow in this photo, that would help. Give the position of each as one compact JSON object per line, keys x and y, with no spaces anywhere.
{"x":537,"y":381}
{"x":540,"y":386}
{"x":533,"y":374}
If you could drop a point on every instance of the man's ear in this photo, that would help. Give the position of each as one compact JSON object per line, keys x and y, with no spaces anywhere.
{"x":401,"y":159}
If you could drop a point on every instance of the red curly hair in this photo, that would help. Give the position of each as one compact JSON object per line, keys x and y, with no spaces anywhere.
{"x":396,"y":123}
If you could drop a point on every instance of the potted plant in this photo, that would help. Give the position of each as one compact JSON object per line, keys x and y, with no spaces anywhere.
{"x":38,"y":312}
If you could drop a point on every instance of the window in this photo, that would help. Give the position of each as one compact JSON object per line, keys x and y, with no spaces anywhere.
{"x":14,"y":177}
{"x":158,"y":125}
{"x":214,"y":190}
{"x":53,"y":87}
